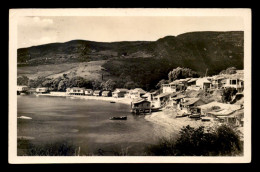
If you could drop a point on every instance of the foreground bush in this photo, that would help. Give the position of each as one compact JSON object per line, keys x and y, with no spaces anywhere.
{"x":51,"y":149}
{"x":222,"y":141}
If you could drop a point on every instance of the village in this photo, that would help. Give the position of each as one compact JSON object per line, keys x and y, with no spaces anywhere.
{"x":195,"y":98}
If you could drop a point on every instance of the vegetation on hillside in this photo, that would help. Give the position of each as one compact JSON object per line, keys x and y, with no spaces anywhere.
{"x":64,"y":82}
{"x":230,"y":70}
{"x":199,"y":51}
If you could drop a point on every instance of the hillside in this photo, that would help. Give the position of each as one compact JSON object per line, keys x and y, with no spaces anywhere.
{"x":137,"y":60}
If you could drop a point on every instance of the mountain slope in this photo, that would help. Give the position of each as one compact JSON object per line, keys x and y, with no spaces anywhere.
{"x":147,"y":61}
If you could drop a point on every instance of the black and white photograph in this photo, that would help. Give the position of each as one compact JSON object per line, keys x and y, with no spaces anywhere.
{"x":129,"y":85}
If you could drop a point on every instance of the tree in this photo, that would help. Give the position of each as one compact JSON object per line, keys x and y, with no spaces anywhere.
{"x":227,"y":94}
{"x":182,"y":73}
{"x":230,"y":70}
{"x":62,"y":85}
{"x":96,"y":85}
{"x":36,"y":82}
{"x":108,"y":85}
{"x":22,"y":80}
{"x":130,"y":85}
{"x":47,"y":83}
{"x":163,"y":81}
{"x":220,"y":141}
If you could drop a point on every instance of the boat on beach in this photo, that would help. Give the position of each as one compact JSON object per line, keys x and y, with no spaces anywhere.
{"x":196,"y":116}
{"x":204,"y":119}
{"x":118,"y":118}
{"x":182,"y":115}
{"x":112,"y":102}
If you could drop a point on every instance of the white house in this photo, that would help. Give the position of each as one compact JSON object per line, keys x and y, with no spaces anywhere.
{"x":203,"y":83}
{"x":136,"y":93}
{"x":42,"y":90}
{"x":234,"y":82}
{"x":88,"y":92}
{"x":75,"y":91}
{"x":22,"y":88}
{"x":119,"y":92}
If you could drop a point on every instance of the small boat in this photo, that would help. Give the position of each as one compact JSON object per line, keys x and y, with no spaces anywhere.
{"x":112,"y":102}
{"x":205,"y":119}
{"x":194,"y":116}
{"x":119,"y":118}
{"x":24,"y":117}
{"x":155,"y":109}
{"x":181,"y":115}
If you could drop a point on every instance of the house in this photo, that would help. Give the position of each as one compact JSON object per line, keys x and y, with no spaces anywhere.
{"x":106,"y":93}
{"x":141,"y":105}
{"x":31,"y":91}
{"x":22,"y":89}
{"x":97,"y":93}
{"x":192,"y":81}
{"x":119,"y":92}
{"x":234,"y":82}
{"x":203,"y":83}
{"x":177,"y":85}
{"x":136,"y":93}
{"x":217,"y":82}
{"x":42,"y":90}
{"x":75,"y":91}
{"x":176,"y":99}
{"x":190,"y":104}
{"x":161,"y":99}
{"x":88,"y":92}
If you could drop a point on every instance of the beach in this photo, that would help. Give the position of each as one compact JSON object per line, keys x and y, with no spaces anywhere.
{"x":110,"y":99}
{"x":167,"y":125}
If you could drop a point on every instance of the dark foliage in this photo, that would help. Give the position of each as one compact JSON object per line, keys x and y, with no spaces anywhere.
{"x":223,"y":141}
{"x":182,"y":73}
{"x":62,"y":148}
{"x":227,"y":94}
{"x":23,"y":80}
{"x":230,"y":70}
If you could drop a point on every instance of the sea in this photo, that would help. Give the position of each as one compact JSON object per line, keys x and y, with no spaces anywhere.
{"x":85,"y":123}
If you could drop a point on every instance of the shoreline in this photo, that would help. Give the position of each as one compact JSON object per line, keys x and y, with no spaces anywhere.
{"x":126,"y":101}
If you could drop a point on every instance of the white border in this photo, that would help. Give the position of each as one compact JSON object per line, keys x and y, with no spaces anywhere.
{"x":12,"y":147}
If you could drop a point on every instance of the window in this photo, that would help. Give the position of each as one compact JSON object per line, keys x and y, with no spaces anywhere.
{"x":233,"y":82}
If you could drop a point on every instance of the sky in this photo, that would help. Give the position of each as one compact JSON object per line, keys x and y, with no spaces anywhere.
{"x":42,"y":30}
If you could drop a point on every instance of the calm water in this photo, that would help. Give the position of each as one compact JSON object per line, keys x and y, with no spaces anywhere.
{"x":84,"y":122}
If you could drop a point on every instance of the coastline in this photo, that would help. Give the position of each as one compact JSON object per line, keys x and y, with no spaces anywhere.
{"x":167,"y":125}
{"x":110,"y":99}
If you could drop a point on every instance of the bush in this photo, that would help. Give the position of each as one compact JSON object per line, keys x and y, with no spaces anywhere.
{"x":227,"y":94}
{"x":22,"y":80}
{"x":222,"y":141}
{"x":182,"y":73}
{"x":62,"y":148}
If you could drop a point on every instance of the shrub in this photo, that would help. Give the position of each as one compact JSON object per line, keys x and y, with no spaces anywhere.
{"x":227,"y":94}
{"x":222,"y":141}
{"x":62,"y":148}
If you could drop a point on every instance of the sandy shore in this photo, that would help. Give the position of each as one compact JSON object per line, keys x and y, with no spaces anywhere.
{"x":167,"y":125}
{"x":63,"y":94}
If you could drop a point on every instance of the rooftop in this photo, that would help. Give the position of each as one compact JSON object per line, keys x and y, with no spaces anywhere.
{"x":179,"y":97}
{"x":221,"y":105}
{"x":190,"y":101}
{"x":121,"y":90}
{"x":163,"y":95}
{"x":135,"y":101}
